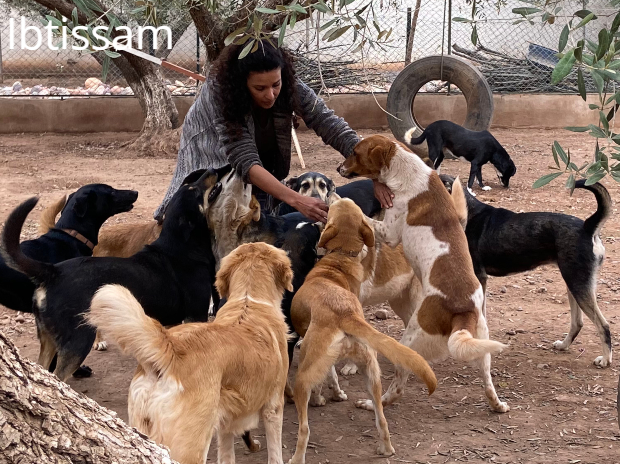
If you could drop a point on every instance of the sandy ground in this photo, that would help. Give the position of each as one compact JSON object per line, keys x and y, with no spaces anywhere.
{"x":562,"y":407}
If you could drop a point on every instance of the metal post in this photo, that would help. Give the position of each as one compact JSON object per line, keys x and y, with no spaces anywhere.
{"x":408,"y":28}
{"x":1,"y":76}
{"x":449,"y":34}
{"x":197,"y":53}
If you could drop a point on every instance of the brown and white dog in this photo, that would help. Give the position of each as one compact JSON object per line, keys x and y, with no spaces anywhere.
{"x":450,"y":319}
{"x":328,"y":314}
{"x":198,"y":378}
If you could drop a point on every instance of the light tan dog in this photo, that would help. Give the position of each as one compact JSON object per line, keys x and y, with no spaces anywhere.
{"x":450,"y":318}
{"x":327,"y":313}
{"x":199,"y":378}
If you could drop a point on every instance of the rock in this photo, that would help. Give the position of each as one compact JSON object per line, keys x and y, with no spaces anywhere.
{"x":92,"y":82}
{"x":44,"y":92}
{"x":511,"y":332}
{"x":542,"y":290}
{"x":17,"y":86}
{"x":36,"y":88}
{"x":116,"y":90}
{"x":520,"y":331}
{"x":20,"y":319}
{"x":171,"y":88}
{"x":179,"y":84}
{"x":502,"y":290}
{"x":381,"y":314}
{"x":543,"y":366}
{"x":100,"y":90}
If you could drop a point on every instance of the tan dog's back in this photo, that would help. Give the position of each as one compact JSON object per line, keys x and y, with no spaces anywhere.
{"x":125,"y":240}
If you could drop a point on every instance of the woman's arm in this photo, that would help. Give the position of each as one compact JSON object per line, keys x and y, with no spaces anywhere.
{"x":312,"y":208}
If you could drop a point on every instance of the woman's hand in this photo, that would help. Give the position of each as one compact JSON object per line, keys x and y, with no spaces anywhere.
{"x":383,"y":194}
{"x":312,"y":208}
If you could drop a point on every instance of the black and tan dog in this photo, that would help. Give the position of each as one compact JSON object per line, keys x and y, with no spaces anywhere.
{"x":75,"y":234}
{"x":478,"y":148}
{"x":502,"y":242}
{"x":172,"y":278}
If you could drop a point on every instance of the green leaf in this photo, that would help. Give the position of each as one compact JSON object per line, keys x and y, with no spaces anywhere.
{"x":328,"y":24}
{"x":474,"y":35}
{"x":603,"y":44}
{"x":282,"y":33}
{"x":577,"y":128}
{"x":615,"y":176}
{"x":293,"y":20}
{"x":376,"y":25}
{"x":584,"y":14}
{"x":544,"y":180}
{"x":615,"y":25}
{"x":526,"y":11}
{"x":560,"y":151}
{"x":246,"y":49}
{"x":563,"y":68}
{"x":615,"y":96}
{"x":585,"y":21}
{"x":320,"y":7}
{"x":581,"y":85}
{"x":74,"y":17}
{"x":390,"y":33}
{"x":233,"y":35}
{"x":579,"y":53}
{"x":595,"y":177}
{"x":594,"y":167}
{"x":604,"y":121}
{"x":298,"y":8}
{"x":563,"y":39}
{"x":597,"y":132}
{"x":105,"y":66}
{"x":266,"y":10}
{"x":360,"y":20}
{"x":598,"y":80}
{"x":555,"y":157}
{"x":111,"y":54}
{"x":338,"y":33}
{"x":458,"y":19}
{"x":570,"y":183}
{"x":54,"y":21}
{"x":593,"y":106}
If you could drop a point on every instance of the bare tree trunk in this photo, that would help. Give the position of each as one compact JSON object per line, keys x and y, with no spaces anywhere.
{"x":158,"y":135}
{"x":42,"y":420}
{"x":414,"y":23}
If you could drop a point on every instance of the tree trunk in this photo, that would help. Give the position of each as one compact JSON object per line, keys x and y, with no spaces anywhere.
{"x":414,"y":23}
{"x":158,"y":134}
{"x":42,"y":420}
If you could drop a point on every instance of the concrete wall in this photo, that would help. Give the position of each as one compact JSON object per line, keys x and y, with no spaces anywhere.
{"x":101,"y":114}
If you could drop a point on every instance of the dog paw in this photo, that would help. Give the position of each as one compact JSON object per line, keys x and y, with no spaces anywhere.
{"x":365,"y":404}
{"x":297,"y":461}
{"x":559,"y":345}
{"x":100,"y":346}
{"x":83,"y":372}
{"x":601,"y":361}
{"x":349,"y":369}
{"x":255,"y":446}
{"x":385,"y":449}
{"x":471,"y":192}
{"x":317,"y":401}
{"x":339,"y":395}
{"x":486,"y":188}
{"x":500,"y":407}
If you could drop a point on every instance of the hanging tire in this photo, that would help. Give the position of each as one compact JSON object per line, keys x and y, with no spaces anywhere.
{"x":457,"y":71}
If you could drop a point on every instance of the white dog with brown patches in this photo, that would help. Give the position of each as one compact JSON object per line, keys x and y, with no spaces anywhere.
{"x":450,"y":318}
{"x":197,"y":379}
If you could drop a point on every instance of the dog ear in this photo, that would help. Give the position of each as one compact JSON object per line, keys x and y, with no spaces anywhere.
{"x":292,"y":183}
{"x":368,"y":233}
{"x":333,"y":198}
{"x":331,"y":187}
{"x":460,"y":202}
{"x":223,"y":276}
{"x":255,"y":207}
{"x":83,"y":202}
{"x":329,"y":233}
{"x":193,"y":177}
{"x":283,"y":273}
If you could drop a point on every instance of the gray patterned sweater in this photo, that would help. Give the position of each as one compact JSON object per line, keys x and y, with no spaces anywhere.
{"x":205,"y":143}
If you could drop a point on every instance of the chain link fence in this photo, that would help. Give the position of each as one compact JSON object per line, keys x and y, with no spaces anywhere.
{"x":513,"y":57}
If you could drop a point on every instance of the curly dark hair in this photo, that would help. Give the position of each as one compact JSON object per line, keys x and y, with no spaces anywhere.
{"x":231,"y":73}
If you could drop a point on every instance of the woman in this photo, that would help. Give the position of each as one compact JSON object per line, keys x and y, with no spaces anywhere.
{"x":243,"y":116}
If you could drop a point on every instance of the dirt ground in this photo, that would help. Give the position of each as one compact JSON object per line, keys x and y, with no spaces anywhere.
{"x":562,"y":407}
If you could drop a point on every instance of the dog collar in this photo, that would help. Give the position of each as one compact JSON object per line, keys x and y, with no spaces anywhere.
{"x":75,"y":234}
{"x":352,"y":254}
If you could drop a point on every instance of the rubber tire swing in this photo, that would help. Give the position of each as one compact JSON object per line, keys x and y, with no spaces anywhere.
{"x":457,"y":71}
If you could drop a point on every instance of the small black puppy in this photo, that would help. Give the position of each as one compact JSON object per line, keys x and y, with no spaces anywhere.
{"x":478,"y":148}
{"x":172,"y":278}
{"x":502,"y":242}
{"x":318,"y":185}
{"x":74,"y":235}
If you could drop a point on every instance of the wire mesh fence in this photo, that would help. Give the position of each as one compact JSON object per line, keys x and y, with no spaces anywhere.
{"x":513,"y":57}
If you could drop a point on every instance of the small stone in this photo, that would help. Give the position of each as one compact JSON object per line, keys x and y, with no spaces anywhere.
{"x":179,"y":84}
{"x":44,"y":92}
{"x":511,"y":332}
{"x":20,"y":319}
{"x":381,"y":314}
{"x":543,"y":366}
{"x":171,"y":88}
{"x":100,"y":90}
{"x":502,"y":289}
{"x":520,"y":331}
{"x":116,"y":90}
{"x":519,"y":308}
{"x":36,"y":88}
{"x":550,"y":280}
{"x":92,"y":82}
{"x":17,"y":86}
{"x":541,"y":290}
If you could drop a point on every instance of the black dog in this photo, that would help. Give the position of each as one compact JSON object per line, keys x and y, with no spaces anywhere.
{"x":172,"y":278}
{"x":318,"y":185}
{"x":502,"y":242}
{"x":478,"y":148}
{"x":74,"y":235}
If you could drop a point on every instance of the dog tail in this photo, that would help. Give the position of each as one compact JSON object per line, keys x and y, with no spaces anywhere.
{"x":48,"y":216}
{"x":409,"y":137}
{"x":117,"y":313}
{"x":38,"y":271}
{"x":460,"y":202}
{"x":594,"y":223}
{"x":398,"y":354}
{"x":464,"y":347}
